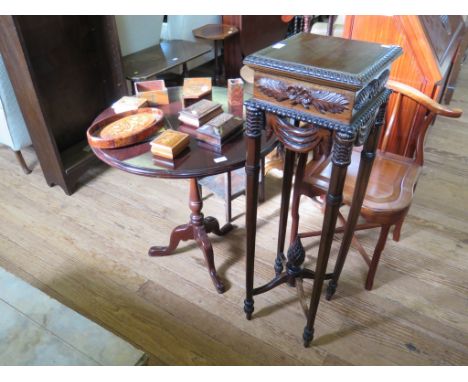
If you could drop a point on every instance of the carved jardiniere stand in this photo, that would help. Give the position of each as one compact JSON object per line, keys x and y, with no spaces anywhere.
{"x":318,"y":94}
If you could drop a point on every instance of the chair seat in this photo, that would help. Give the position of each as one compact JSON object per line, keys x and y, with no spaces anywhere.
{"x":391,"y":183}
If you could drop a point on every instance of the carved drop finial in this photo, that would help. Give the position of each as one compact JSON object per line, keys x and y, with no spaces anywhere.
{"x":296,"y":254}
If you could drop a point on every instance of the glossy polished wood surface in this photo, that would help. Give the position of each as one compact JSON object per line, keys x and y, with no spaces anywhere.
{"x":393,"y":177}
{"x":317,"y":51}
{"x":390,"y":185}
{"x":142,"y":133}
{"x":156,"y":59}
{"x":424,"y":65}
{"x":424,"y":100}
{"x":195,"y":161}
{"x":215,"y":31}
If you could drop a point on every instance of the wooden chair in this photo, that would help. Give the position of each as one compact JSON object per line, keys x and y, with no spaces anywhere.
{"x":392,"y":181}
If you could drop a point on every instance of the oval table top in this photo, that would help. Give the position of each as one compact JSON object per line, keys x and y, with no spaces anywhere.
{"x":194,"y":162}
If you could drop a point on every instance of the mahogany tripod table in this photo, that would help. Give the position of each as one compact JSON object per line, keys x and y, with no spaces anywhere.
{"x":321,"y":95}
{"x":193,"y":163}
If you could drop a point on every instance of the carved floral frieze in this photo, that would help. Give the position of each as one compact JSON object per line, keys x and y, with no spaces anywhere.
{"x":323,"y":101}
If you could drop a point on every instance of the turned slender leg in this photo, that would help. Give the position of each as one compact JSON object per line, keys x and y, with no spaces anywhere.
{"x":261,"y":193}
{"x":341,"y":157}
{"x":297,"y":196}
{"x":21,"y":161}
{"x":365,"y":167}
{"x":227,"y":196}
{"x":376,"y":256}
{"x":288,"y":170}
{"x":254,"y":123}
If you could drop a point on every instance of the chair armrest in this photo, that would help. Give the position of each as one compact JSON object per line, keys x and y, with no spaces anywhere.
{"x":423,"y":99}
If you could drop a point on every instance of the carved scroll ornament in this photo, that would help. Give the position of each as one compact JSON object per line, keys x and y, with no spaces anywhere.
{"x":323,"y":100}
{"x":302,"y":138}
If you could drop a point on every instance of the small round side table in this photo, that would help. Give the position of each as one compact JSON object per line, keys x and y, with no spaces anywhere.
{"x":216,"y":33}
{"x":194,"y":163}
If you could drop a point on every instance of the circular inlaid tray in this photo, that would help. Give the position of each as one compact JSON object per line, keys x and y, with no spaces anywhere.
{"x":125,"y":129}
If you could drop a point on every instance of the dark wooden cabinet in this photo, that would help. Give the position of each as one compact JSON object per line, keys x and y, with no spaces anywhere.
{"x":65,"y":70}
{"x":256,"y":32}
{"x":432,"y":51}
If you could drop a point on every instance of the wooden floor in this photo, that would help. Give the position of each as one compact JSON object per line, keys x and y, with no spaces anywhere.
{"x":89,"y":251}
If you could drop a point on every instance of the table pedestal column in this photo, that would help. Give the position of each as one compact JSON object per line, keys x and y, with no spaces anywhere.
{"x":197,"y":229}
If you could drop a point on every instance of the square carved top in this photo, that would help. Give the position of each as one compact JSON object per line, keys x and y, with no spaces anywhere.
{"x":328,"y":61}
{"x":332,"y":82}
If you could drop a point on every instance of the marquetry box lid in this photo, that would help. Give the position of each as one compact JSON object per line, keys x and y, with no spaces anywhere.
{"x":328,"y":77}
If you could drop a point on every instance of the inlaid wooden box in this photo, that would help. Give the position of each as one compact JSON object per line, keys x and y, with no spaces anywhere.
{"x":169,"y":144}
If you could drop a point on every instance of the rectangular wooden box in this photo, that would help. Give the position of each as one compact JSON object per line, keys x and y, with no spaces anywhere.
{"x":155,"y":92}
{"x":195,"y":89}
{"x":169,"y":143}
{"x":235,"y":92}
{"x":127,"y":103}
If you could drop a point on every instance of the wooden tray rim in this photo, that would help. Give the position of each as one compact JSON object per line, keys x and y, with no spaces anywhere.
{"x":107,"y":143}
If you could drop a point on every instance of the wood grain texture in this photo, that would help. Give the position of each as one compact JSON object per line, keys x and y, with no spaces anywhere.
{"x":419,"y":66}
{"x":315,"y":99}
{"x":89,"y":252}
{"x":126,"y":137}
{"x":215,"y":31}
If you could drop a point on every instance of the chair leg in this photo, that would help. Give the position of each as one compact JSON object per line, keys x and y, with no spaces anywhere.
{"x":20,"y":158}
{"x":227,"y":196}
{"x":397,"y":230}
{"x":376,"y":256}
